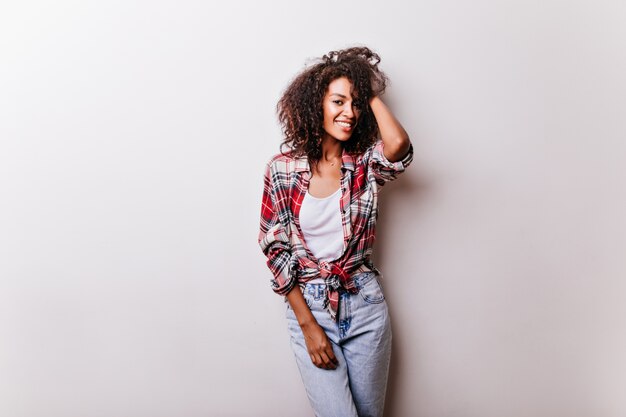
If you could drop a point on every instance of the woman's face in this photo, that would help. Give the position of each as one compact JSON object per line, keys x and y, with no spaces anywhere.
{"x":340,"y":112}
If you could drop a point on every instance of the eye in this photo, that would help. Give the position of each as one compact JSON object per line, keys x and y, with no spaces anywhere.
{"x":339,"y":102}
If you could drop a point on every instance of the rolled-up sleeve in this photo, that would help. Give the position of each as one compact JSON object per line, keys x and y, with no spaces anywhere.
{"x":384,"y":170}
{"x":274,"y":238}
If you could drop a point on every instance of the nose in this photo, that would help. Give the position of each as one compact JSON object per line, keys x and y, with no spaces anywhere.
{"x":348,"y":110}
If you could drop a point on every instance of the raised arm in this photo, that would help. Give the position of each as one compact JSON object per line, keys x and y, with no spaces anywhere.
{"x":392,"y":133}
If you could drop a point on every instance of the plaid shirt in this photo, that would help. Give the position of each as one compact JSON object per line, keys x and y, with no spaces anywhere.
{"x":280,"y":237}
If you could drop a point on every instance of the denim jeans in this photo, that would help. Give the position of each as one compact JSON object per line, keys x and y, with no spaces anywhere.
{"x":361,"y":340}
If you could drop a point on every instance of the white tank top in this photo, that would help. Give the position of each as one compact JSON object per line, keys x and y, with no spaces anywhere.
{"x":320,"y":222}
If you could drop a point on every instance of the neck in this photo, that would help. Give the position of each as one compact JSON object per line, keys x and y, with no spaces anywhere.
{"x":331,"y":148}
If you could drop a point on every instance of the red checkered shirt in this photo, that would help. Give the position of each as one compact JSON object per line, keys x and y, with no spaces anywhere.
{"x":285,"y":184}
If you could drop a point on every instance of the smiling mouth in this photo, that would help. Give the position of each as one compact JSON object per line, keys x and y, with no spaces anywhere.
{"x":344,"y":124}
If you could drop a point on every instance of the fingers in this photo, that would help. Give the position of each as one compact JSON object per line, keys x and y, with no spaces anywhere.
{"x":320,"y":348}
{"x":329,"y":359}
{"x":324,"y":361}
{"x":323,"y":356}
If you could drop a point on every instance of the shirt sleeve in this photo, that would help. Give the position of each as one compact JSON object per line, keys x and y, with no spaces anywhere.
{"x":384,"y":170}
{"x":274,"y":238}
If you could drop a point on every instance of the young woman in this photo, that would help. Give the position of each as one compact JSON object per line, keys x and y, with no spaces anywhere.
{"x":318,"y":218}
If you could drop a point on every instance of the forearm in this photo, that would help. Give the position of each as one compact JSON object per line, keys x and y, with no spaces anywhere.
{"x":300,"y":308}
{"x":393,"y":135}
{"x":317,"y":343}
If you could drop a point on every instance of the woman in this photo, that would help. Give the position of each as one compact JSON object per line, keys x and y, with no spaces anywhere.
{"x":318,"y":219}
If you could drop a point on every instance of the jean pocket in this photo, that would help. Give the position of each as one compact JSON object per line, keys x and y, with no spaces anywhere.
{"x":371,"y":291}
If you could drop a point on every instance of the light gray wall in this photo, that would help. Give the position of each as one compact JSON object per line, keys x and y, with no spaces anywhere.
{"x":133,"y":140}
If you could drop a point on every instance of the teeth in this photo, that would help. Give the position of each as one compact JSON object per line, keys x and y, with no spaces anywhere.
{"x":344,"y":124}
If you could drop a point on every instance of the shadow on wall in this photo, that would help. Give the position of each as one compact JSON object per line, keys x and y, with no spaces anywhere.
{"x":408,"y":187}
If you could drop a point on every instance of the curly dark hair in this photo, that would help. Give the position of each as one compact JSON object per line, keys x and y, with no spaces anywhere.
{"x":300,"y":109}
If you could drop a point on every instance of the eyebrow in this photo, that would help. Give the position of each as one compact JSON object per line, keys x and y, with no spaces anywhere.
{"x":337,"y":94}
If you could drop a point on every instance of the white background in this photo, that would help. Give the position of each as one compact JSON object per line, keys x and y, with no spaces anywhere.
{"x":133,"y":140}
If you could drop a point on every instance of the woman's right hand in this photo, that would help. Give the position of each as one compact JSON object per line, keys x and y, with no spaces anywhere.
{"x":319,"y":346}
{"x":317,"y":343}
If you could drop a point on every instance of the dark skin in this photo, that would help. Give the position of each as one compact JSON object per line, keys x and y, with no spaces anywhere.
{"x":340,"y":116}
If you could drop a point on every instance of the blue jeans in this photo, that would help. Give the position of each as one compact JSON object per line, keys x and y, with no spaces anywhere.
{"x":361,"y":341}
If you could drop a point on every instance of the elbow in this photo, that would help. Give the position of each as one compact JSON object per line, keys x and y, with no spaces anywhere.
{"x":397,"y":148}
{"x":403,"y":142}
